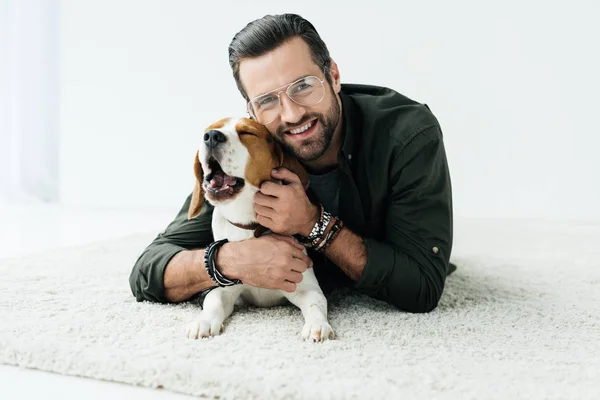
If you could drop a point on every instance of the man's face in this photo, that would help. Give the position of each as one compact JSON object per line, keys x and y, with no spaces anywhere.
{"x":288,"y":63}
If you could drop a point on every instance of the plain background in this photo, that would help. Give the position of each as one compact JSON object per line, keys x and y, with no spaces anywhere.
{"x":514,"y":85}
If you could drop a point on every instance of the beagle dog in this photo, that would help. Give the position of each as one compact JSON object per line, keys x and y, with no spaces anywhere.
{"x":236,"y":156}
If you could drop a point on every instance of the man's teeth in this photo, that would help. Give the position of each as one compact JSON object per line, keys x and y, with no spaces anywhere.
{"x":302,"y":128}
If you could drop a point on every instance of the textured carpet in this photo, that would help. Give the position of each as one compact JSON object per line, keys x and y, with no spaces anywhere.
{"x":519,"y":319}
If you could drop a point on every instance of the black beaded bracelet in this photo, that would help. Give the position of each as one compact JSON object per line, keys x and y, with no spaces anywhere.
{"x":215,"y":275}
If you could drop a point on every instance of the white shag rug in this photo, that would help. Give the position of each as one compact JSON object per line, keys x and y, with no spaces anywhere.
{"x":519,"y":319}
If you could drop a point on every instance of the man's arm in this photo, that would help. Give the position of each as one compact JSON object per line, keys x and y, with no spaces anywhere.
{"x":348,"y":253}
{"x":408,"y":268}
{"x":171,"y":268}
{"x":186,"y":276}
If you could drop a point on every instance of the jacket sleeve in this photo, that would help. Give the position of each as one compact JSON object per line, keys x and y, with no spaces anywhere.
{"x":147,"y":276}
{"x":408,"y":267}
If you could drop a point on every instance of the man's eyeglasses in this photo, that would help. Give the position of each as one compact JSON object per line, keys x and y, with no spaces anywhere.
{"x":305,"y":91}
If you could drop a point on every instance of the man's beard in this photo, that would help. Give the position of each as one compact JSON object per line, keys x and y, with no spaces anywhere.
{"x":315,"y":146}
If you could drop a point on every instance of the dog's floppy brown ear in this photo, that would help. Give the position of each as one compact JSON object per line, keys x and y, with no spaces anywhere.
{"x":290,"y":162}
{"x":198,"y":195}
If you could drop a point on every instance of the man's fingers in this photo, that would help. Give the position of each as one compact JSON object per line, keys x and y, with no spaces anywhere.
{"x":290,"y":240}
{"x":288,"y":286}
{"x":267,"y":212}
{"x":271,"y":189}
{"x":265,"y":221}
{"x":304,"y":259}
{"x":285,"y":175}
{"x":293,"y":276}
{"x":264,"y":200}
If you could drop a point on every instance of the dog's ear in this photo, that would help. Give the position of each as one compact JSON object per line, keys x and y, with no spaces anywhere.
{"x":290,"y":162}
{"x":198,"y":195}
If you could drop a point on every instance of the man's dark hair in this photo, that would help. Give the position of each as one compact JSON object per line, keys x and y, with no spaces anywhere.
{"x":269,"y":32}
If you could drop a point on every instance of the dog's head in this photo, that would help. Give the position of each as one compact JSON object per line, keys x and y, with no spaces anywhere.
{"x":235,"y":157}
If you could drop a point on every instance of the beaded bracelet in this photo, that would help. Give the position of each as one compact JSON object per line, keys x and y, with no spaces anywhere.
{"x":211,"y":268}
{"x":322,"y":229}
{"x":317,"y":229}
{"x":331,"y":235}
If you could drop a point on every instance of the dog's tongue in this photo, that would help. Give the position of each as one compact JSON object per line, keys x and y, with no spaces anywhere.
{"x":221,"y":181}
{"x":229,"y":180}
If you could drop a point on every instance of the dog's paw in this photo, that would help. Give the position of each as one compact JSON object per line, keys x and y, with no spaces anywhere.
{"x":202,"y":329}
{"x":317,"y":331}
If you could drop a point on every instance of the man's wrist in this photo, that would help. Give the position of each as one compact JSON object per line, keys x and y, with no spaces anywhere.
{"x":314,"y":218}
{"x":225,"y":261}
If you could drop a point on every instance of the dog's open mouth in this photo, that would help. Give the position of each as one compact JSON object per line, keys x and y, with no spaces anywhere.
{"x":219,"y":183}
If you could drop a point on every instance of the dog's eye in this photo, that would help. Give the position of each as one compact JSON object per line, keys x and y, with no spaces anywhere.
{"x":242,"y":133}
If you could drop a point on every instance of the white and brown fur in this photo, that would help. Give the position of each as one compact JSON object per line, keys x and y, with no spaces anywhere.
{"x":250,"y":153}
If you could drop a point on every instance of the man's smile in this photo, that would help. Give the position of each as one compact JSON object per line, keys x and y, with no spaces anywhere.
{"x":303,"y":131}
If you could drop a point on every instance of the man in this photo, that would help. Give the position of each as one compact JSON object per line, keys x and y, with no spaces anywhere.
{"x":376,"y":160}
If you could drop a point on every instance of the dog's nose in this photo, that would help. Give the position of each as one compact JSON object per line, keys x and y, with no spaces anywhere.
{"x":213,"y":138}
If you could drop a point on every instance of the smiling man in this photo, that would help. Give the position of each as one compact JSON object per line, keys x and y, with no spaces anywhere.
{"x":377,"y":217}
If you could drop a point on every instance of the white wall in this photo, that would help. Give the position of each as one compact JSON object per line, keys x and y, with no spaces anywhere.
{"x":514,"y":86}
{"x":29,"y":97}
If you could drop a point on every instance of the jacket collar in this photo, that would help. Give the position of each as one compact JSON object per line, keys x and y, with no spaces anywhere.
{"x":350,"y":127}
{"x":351,"y":207}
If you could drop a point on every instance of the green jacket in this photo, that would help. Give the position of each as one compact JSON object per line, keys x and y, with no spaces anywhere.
{"x":395,"y":192}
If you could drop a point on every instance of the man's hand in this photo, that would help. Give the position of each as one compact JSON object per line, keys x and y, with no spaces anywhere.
{"x":285,"y":209}
{"x":270,"y":261}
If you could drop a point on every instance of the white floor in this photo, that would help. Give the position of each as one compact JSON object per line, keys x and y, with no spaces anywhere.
{"x":33,"y":228}
{"x":36,"y":228}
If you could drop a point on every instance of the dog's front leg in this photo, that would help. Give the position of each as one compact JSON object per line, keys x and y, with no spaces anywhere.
{"x":218,"y":305}
{"x":313,"y":304}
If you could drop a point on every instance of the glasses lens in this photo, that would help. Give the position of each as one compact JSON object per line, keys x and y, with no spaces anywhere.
{"x":265,"y":108}
{"x":307,"y":91}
